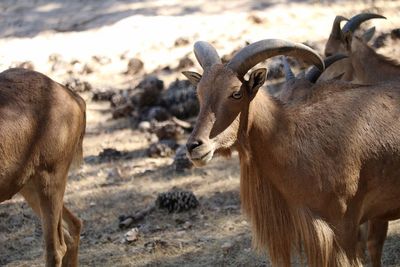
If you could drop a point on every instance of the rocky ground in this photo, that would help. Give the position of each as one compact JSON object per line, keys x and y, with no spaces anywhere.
{"x":124,"y":57}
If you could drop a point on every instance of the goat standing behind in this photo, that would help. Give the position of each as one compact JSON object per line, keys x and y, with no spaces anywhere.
{"x":42,"y":128}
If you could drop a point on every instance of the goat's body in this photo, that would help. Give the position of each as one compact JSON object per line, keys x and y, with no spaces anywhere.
{"x":41,"y":130}
{"x":357,"y":129}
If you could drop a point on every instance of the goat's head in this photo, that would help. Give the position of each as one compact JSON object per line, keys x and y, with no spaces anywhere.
{"x":334,"y":44}
{"x":225,"y":95}
{"x":339,"y":38}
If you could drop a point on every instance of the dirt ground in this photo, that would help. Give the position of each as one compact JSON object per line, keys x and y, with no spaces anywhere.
{"x":60,"y":38}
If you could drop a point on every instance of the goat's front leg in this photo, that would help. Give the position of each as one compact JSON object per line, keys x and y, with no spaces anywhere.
{"x":377,"y":231}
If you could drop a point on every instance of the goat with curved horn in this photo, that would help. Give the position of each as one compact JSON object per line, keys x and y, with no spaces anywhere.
{"x":301,"y":165}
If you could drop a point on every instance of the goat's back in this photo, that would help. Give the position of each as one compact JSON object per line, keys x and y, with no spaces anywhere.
{"x":41,"y":126}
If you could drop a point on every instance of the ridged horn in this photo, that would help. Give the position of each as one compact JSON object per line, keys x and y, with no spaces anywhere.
{"x":314,"y":73}
{"x":206,"y":54}
{"x":254,"y":53}
{"x":336,"y":30}
{"x":356,"y":21}
{"x":289,"y":75}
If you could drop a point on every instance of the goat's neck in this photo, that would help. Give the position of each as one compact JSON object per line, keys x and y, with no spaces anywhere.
{"x":264,"y":147}
{"x":370,"y":67}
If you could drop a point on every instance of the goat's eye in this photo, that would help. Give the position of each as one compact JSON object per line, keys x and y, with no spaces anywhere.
{"x":237,"y":95}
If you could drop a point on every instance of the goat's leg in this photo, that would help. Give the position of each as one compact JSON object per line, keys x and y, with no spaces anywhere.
{"x":377,"y":231}
{"x":362,"y":241}
{"x":348,"y":238}
{"x":44,"y":193}
{"x":71,"y":224}
{"x":72,"y":229}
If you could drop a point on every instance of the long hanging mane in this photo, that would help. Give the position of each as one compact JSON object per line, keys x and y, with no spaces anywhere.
{"x":281,"y":229}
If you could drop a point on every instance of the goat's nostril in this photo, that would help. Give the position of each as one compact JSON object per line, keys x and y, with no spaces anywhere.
{"x":193,"y":144}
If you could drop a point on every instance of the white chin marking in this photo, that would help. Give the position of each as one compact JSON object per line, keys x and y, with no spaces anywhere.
{"x":203,"y":161}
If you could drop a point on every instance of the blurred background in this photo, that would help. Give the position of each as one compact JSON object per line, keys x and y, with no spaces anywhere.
{"x":125,"y":58}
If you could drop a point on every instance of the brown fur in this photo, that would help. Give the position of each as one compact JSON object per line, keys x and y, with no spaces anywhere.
{"x":311,"y":172}
{"x":363,"y":65}
{"x":42,"y":128}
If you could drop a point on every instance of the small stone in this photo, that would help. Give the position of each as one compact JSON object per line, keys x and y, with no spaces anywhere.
{"x":132,"y":235}
{"x":395,"y":34}
{"x":103,"y":95}
{"x":144,"y":126}
{"x":187,"y":225}
{"x":255,"y":19}
{"x":135,"y":65}
{"x":184,"y":63}
{"x":181,"y":41}
{"x":226,"y":246}
{"x":78,"y":85}
{"x":25,"y":65}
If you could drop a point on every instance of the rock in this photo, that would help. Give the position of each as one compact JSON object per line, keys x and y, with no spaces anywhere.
{"x":119,"y":99}
{"x":159,"y":150}
{"x":25,"y":65}
{"x":122,"y":111}
{"x":78,"y":85}
{"x":135,"y":65}
{"x":395,"y":34}
{"x":185,"y":63}
{"x":110,"y":153}
{"x":157,"y":113}
{"x":144,"y":126}
{"x":181,"y":160}
{"x":148,"y":92}
{"x":132,"y":235}
{"x":103,"y":95}
{"x":181,"y":41}
{"x":227,"y":246}
{"x":167,"y":130}
{"x":101,"y":60}
{"x":255,"y":19}
{"x":180,"y":99}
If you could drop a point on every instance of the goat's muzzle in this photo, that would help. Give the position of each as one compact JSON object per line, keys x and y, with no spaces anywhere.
{"x":199,"y":151}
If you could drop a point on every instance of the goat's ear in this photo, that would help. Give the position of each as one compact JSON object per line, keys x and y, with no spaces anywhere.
{"x":192,"y":76}
{"x":368,"y":34}
{"x":256,"y":80}
{"x":347,"y":39}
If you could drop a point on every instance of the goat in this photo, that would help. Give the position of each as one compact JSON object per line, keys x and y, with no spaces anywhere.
{"x":334,"y":45}
{"x":363,"y":65}
{"x":310,"y":173}
{"x":42,"y":128}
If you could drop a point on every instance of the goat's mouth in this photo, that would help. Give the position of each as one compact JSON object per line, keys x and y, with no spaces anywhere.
{"x":200,"y":160}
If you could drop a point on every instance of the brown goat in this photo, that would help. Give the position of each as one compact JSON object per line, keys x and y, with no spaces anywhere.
{"x":335,"y":45}
{"x":42,"y":127}
{"x":311,"y":172}
{"x":363,"y":65}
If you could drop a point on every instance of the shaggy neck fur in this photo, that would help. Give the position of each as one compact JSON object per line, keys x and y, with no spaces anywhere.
{"x":278,"y":226}
{"x":366,"y":67}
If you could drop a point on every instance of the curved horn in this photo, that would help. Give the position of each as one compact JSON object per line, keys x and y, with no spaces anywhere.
{"x":314,"y":73}
{"x":254,"y":53}
{"x":356,"y":21}
{"x":336,"y":30}
{"x":206,"y":54}
{"x":289,"y":76}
